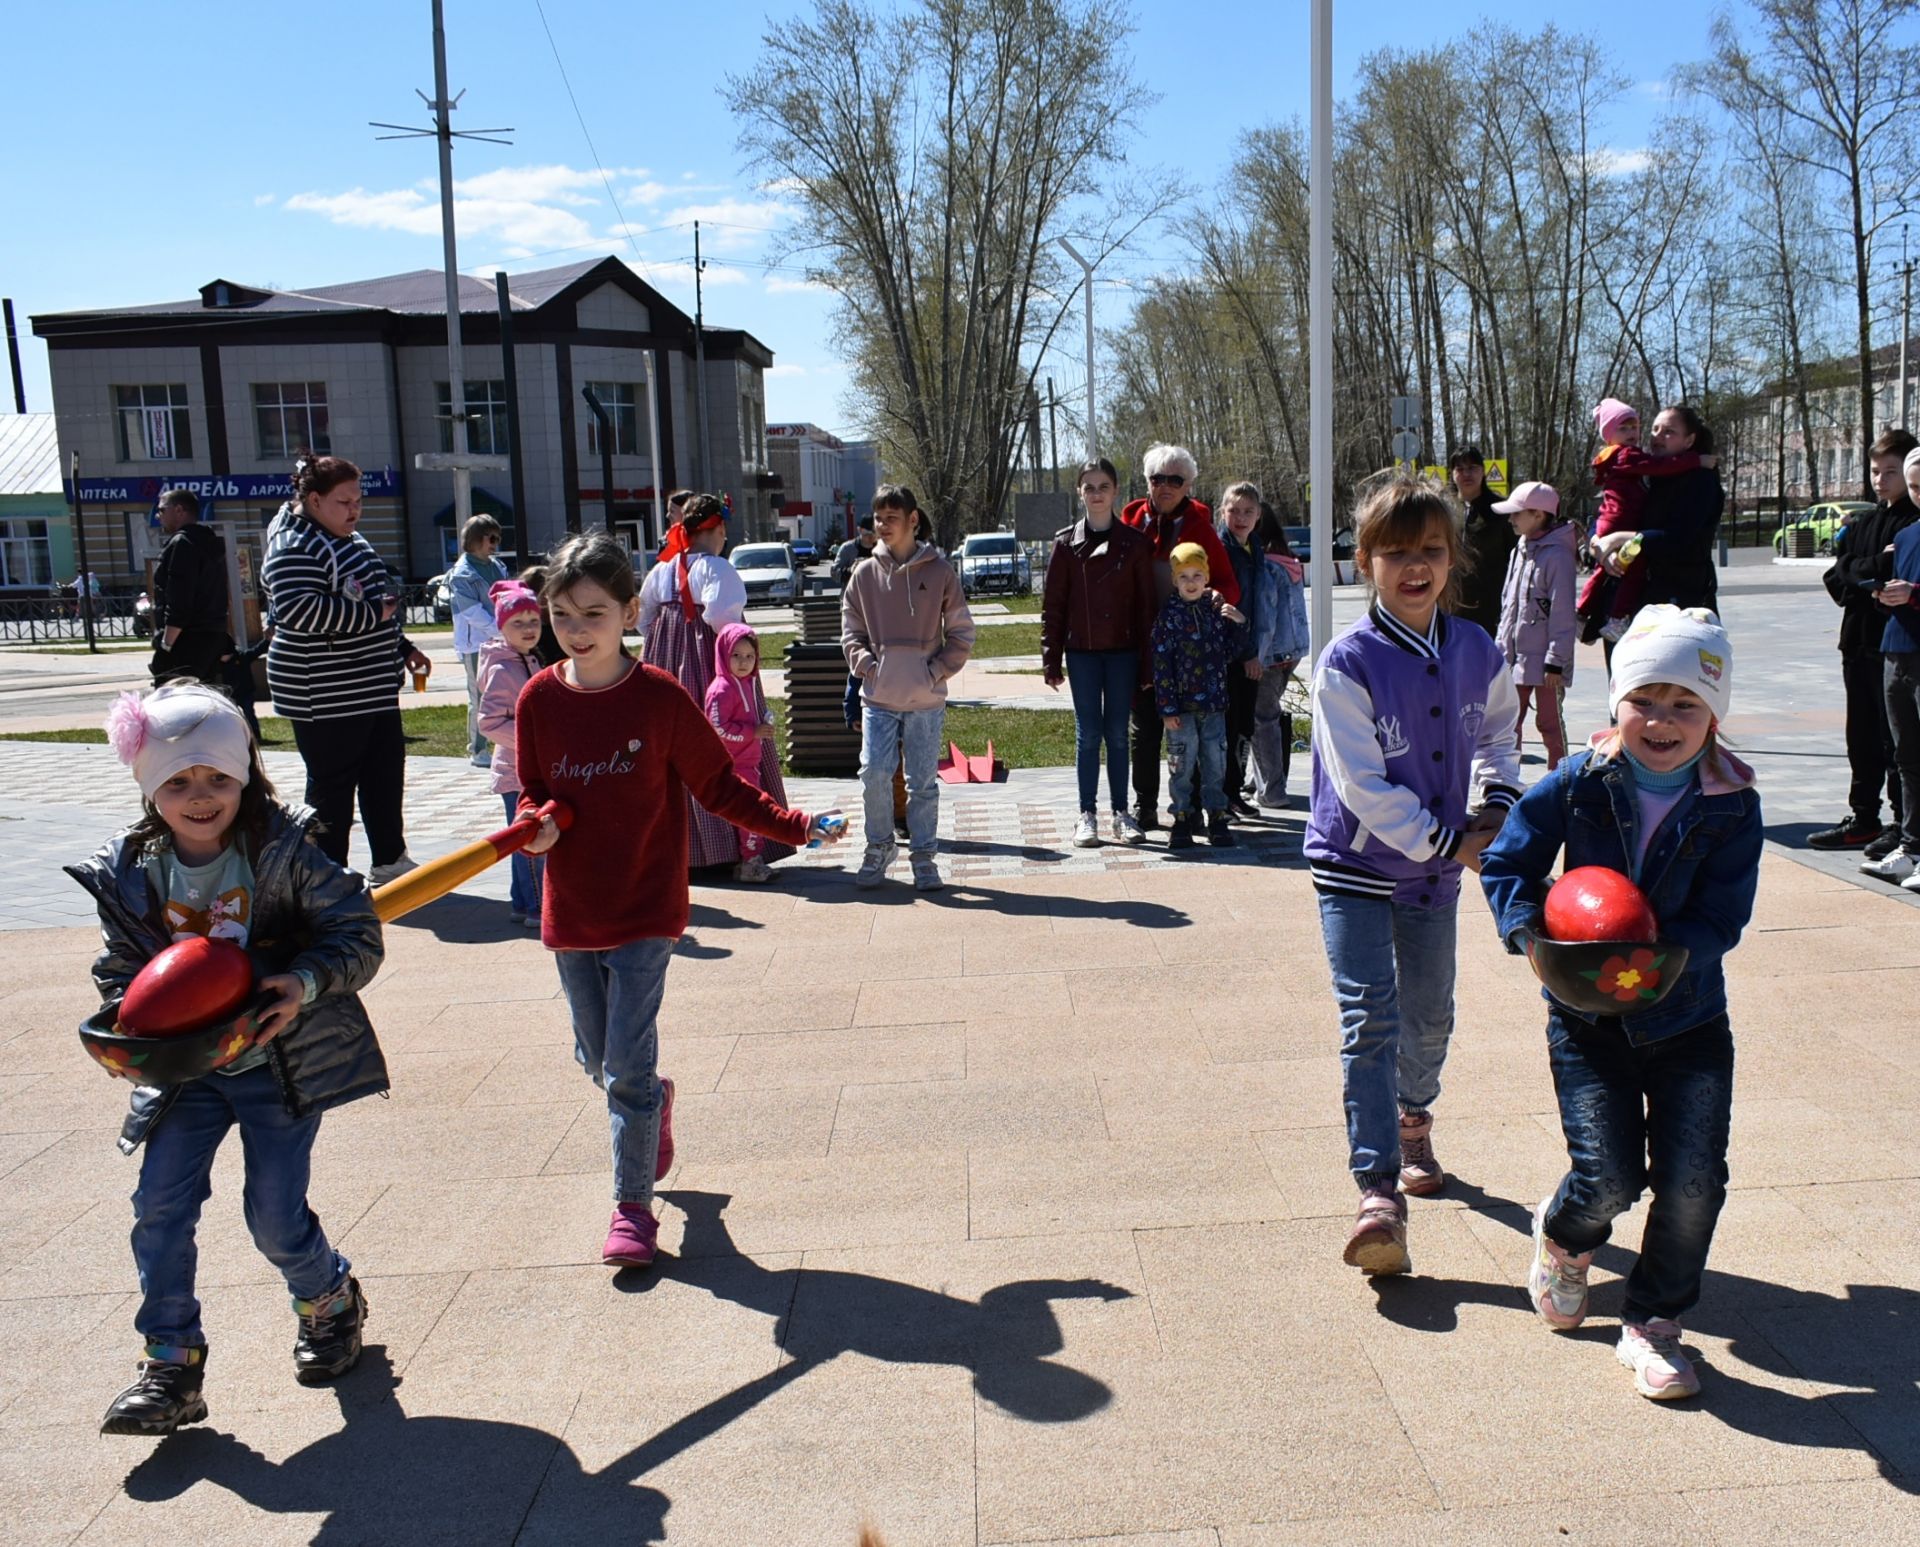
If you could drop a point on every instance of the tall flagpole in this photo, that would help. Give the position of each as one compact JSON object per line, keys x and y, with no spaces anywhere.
{"x":1320,"y":329}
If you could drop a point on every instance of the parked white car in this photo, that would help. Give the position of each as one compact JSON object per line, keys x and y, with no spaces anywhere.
{"x":768,"y":571}
{"x":995,"y":561}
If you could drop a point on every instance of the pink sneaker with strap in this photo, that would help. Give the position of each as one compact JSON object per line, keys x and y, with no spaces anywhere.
{"x":1378,"y":1244}
{"x":631,"y":1235}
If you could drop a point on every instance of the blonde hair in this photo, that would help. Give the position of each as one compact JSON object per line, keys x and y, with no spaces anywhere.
{"x":1398,"y":515}
{"x":1607,"y":746}
{"x":1189,"y":556}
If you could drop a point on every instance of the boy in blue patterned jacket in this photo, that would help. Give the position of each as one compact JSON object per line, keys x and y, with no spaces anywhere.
{"x":1195,"y":639}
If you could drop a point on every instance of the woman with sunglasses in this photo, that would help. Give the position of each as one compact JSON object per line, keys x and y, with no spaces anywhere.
{"x":1170,"y":515}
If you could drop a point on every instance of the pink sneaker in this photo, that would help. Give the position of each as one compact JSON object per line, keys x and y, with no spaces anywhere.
{"x":631,"y":1234}
{"x":1420,"y":1174}
{"x":1378,"y":1244}
{"x":663,"y":1162}
{"x":1557,"y":1278}
{"x":1652,"y":1351}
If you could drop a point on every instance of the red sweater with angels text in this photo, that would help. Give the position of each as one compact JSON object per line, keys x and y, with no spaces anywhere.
{"x":624,"y":757}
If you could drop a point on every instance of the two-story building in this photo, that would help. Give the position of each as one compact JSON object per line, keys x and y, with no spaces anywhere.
{"x":221,"y":391}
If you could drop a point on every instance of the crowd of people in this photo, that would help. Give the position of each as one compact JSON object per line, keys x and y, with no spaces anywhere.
{"x":1176,"y":633}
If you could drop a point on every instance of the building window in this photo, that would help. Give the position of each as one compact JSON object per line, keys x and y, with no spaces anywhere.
{"x":486,"y":416}
{"x":153,"y":423}
{"x":621,"y":400}
{"x":1846,"y":464}
{"x":26,"y":556}
{"x":291,"y":417}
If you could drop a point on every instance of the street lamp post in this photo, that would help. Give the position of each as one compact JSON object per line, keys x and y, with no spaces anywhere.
{"x":1086,"y":270}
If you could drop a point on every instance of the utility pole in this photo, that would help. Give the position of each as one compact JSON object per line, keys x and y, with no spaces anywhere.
{"x":1907,"y":317}
{"x":1086,"y":270}
{"x":700,"y":365}
{"x":606,"y":455}
{"x":442,"y":131}
{"x":1053,"y":435}
{"x":83,"y":586}
{"x":13,"y":359}
{"x":1320,"y":326}
{"x":517,"y":472}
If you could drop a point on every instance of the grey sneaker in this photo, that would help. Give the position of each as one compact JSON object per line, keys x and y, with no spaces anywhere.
{"x":1557,"y":1278}
{"x":873,"y":868}
{"x":1126,"y":830}
{"x":1896,"y":866}
{"x":1086,"y":831}
{"x":380,"y":875}
{"x":926,"y":874}
{"x":1420,"y":1173}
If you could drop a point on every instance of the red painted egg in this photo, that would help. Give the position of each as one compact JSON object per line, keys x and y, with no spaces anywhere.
{"x":191,"y":984}
{"x":1595,"y":903}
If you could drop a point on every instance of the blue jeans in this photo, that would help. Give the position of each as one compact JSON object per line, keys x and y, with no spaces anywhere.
{"x":614,"y":998}
{"x":884,"y":735}
{"x":1200,"y":744}
{"x":1655,"y":1115}
{"x":1393,"y":981}
{"x":524,"y":893}
{"x":174,"y":1183}
{"x":1102,"y":684}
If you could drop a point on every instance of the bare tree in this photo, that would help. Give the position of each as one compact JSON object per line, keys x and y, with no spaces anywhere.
{"x":936,"y":152}
{"x":1839,"y":70}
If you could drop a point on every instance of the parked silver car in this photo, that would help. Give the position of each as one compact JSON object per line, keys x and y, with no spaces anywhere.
{"x":769,"y":572}
{"x":995,"y":561}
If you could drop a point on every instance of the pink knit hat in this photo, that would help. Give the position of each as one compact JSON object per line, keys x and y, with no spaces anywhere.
{"x":1610,"y":415}
{"x":510,"y":597}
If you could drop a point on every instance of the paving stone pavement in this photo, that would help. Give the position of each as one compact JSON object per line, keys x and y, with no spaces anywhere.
{"x":1005,"y":1214}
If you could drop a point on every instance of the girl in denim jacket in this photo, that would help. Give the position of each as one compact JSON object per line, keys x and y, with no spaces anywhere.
{"x":1646,"y":1097}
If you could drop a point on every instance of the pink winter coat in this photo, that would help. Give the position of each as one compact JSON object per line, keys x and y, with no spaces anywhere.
{"x":735,"y":705}
{"x":1538,"y":628}
{"x":504,"y":671}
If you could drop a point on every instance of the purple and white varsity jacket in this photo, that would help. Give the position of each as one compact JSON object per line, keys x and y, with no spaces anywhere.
{"x":1410,"y":733}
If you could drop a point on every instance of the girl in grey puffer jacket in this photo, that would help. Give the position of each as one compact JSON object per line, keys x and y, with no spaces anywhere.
{"x":1538,"y":629}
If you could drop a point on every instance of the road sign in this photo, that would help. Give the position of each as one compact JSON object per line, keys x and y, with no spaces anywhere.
{"x":1497,"y":474}
{"x":458,"y":461}
{"x":1406,"y":413}
{"x":1406,"y":446}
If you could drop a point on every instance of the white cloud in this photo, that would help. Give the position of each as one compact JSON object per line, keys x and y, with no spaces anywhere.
{"x":539,"y":185}
{"x":680,"y":274}
{"x":647,"y":193}
{"x":1610,"y":162}
{"x":784,"y":284}
{"x":785,"y":370}
{"x":260,"y":199}
{"x":515,"y":223}
{"x":736,"y":225}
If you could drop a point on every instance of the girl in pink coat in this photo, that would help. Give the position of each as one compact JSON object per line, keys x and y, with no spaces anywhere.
{"x":507,"y":664}
{"x":738,"y":710}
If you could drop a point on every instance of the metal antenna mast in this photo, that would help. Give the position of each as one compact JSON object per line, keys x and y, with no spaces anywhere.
{"x":441,"y":105}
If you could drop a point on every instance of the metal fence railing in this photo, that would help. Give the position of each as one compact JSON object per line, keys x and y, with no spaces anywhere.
{"x":58,"y":619}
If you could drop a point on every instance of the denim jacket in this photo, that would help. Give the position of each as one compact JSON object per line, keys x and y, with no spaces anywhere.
{"x":1699,"y":875}
{"x":309,"y":915}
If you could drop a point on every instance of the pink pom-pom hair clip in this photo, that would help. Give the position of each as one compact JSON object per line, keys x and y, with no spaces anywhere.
{"x":127,"y":726}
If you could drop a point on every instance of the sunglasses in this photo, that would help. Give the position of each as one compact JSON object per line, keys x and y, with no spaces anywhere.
{"x":1165,"y":480}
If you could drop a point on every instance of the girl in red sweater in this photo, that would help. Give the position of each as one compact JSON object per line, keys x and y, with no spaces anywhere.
{"x":622,"y":744}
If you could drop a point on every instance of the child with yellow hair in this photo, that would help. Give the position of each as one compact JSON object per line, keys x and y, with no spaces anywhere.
{"x":1195,"y":639}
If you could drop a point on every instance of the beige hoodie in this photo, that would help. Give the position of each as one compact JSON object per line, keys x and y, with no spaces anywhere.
{"x":905,"y":628}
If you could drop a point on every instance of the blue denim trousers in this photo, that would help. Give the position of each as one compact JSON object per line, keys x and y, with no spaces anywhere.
{"x":524,"y":890}
{"x":1102,"y":684}
{"x":884,"y":735}
{"x":1198,"y":747}
{"x":175,"y":1181}
{"x":1654,"y":1116}
{"x":1393,"y":982}
{"x":614,"y":999}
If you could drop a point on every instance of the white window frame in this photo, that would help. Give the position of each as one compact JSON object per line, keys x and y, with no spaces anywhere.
{"x":621,"y":399}
{"x":300,"y":410}
{"x":19,"y":546}
{"x":156,"y":427}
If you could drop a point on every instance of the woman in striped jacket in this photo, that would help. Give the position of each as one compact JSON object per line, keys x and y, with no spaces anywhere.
{"x":335,"y":662}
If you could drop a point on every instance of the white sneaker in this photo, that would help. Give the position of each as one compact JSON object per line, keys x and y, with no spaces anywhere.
{"x":1897,"y":866}
{"x":1557,"y":1278}
{"x":1912,"y":883}
{"x":380,"y":875}
{"x":1126,"y":830}
{"x":1652,"y":1351}
{"x":873,"y":868}
{"x":926,"y":874}
{"x":1086,"y":831}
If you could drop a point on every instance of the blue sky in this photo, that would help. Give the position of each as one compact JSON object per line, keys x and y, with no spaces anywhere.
{"x":159,"y":146}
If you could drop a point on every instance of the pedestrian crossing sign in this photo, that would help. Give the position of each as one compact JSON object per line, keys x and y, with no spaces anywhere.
{"x":1497,"y":474}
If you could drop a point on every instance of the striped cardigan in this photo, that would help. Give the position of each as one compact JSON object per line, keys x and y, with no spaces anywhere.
{"x":332,"y":657}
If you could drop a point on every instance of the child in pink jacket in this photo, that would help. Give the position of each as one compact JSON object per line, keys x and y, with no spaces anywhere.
{"x":507,"y":664}
{"x":738,"y":710}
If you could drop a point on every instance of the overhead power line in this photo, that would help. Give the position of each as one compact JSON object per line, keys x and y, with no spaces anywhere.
{"x":592,"y":150}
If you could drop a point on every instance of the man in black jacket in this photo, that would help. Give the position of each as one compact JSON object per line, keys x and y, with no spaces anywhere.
{"x":1863,"y":564}
{"x":189,"y":594}
{"x":1489,"y":541}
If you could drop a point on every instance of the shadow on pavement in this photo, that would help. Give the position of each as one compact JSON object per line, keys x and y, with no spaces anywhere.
{"x":462,"y":920}
{"x":963,"y":896}
{"x":385,"y":1477}
{"x":1866,"y":1339}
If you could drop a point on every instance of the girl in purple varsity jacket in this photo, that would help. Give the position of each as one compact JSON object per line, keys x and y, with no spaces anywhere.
{"x":1414,"y":769}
